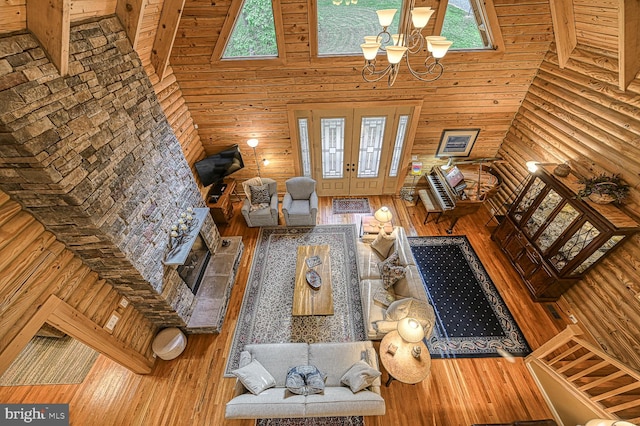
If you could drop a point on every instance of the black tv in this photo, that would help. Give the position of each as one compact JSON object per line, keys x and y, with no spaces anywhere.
{"x":220,"y":165}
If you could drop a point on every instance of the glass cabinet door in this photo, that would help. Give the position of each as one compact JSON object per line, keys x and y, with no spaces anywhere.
{"x":602,"y":250}
{"x":574,"y":245}
{"x":541,"y":215}
{"x":557,"y":226}
{"x":529,"y":197}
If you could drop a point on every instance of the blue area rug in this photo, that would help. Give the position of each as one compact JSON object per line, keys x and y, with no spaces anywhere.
{"x":472,"y":320}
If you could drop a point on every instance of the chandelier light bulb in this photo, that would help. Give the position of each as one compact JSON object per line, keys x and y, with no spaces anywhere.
{"x":440,"y":48}
{"x":398,"y":39}
{"x":370,"y":39}
{"x":431,"y":39}
{"x":420,"y":16}
{"x":385,"y":16}
{"x":370,"y":50}
{"x":395,"y":53}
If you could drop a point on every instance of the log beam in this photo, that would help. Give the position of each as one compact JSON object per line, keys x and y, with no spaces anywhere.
{"x":628,"y":40}
{"x":49,"y":21}
{"x":130,"y":13}
{"x":564,"y":28}
{"x":166,"y":35}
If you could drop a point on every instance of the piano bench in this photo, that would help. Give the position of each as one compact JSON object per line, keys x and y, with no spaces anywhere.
{"x":430,"y":205}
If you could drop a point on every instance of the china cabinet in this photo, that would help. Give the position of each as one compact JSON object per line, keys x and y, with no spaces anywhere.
{"x":552,"y":238}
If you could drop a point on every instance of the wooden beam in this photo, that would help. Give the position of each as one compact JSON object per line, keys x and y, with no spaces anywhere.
{"x":165,"y":35}
{"x":564,"y":28}
{"x":130,"y":13}
{"x":628,"y":40}
{"x":49,"y":21}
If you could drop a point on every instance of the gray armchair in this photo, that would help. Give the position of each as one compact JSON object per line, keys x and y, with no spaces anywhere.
{"x":300,"y":203}
{"x":253,"y":214}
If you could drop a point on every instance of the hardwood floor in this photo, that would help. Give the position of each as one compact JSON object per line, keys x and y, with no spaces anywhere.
{"x":190,"y":390}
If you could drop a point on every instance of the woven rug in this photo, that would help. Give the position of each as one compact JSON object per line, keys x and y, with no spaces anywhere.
{"x":351,"y":205}
{"x":50,"y":361}
{"x":265,"y":315}
{"x":472,"y":320}
{"x":313,"y":421}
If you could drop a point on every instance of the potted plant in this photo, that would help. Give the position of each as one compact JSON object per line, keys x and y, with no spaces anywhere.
{"x":604,"y":189}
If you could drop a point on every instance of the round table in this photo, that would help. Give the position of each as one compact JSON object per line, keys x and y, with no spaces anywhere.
{"x":402,"y":365}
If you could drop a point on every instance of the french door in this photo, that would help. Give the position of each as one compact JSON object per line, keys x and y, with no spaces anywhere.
{"x":354,"y":151}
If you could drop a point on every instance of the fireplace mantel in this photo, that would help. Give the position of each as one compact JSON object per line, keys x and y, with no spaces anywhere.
{"x":179,"y":255}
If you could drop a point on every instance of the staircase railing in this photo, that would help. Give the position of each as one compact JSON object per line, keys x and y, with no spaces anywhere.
{"x":607,"y":386}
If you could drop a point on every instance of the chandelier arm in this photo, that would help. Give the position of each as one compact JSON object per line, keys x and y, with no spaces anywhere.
{"x":370,"y":74}
{"x":415,"y":41}
{"x":433,"y":68}
{"x":393,"y":74}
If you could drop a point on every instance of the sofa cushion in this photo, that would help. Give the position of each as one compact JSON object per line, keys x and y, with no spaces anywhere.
{"x":336,"y":358}
{"x":340,"y":401}
{"x":254,"y":377}
{"x":372,"y":311}
{"x":392,"y":260}
{"x":368,"y":261}
{"x":360,"y":376}
{"x":271,"y":357}
{"x":391,"y":275}
{"x":413,"y":308}
{"x":383,"y":244}
{"x":411,"y":285}
{"x":274,"y":402}
{"x":305,"y":380}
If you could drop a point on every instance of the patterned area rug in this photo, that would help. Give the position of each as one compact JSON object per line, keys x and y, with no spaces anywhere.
{"x":313,"y":421}
{"x":265,"y":315}
{"x":472,"y":320}
{"x":351,"y":205}
{"x":50,"y":361}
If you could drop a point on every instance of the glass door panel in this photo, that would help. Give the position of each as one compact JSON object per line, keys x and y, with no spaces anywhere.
{"x":305,"y":153}
{"x":598,"y":253}
{"x":332,"y":137}
{"x":574,"y":245}
{"x":560,"y":223}
{"x":398,"y":145}
{"x":371,"y":138}
{"x":532,"y":193}
{"x":542,"y":213}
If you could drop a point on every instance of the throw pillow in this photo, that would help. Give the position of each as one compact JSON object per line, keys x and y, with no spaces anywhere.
{"x":305,"y":380}
{"x":410,"y":307}
{"x":258,"y":206}
{"x":383,"y":244}
{"x":392,"y":275}
{"x":360,"y":376}
{"x":260,"y":194}
{"x":392,"y":260}
{"x":255,"y":377}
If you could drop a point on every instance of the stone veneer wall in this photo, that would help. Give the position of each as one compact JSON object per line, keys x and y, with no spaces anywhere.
{"x":93,"y":157}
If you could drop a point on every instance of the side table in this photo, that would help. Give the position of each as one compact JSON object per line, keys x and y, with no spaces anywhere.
{"x":370,"y":226}
{"x":402,"y":365}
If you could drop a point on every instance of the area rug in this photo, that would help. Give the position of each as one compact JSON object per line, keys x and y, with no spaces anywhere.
{"x":265,"y":315}
{"x":313,"y":421}
{"x":50,"y":361}
{"x":351,"y":205}
{"x":472,"y":320}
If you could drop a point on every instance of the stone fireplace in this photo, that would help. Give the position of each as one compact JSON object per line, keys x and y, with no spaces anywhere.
{"x":93,"y":157}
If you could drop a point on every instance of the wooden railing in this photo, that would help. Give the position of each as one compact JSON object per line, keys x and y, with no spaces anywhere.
{"x":607,"y":386}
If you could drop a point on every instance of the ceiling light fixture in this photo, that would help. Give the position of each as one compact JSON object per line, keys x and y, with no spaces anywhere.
{"x":408,"y":41}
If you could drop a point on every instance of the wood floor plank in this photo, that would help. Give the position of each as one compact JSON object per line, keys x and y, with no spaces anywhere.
{"x":191,"y":389}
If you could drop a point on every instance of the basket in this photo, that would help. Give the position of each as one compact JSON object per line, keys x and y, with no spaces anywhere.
{"x":601,"y":198}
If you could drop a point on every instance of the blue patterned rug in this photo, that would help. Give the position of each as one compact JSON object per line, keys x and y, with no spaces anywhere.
{"x":472,"y":320}
{"x":265,"y":315}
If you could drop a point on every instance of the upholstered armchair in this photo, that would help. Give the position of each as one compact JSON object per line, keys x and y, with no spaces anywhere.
{"x":300,"y":203}
{"x":260,"y":207}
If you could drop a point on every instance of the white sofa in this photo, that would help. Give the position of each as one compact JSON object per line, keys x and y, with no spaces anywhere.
{"x":334,"y":359}
{"x":370,"y":281}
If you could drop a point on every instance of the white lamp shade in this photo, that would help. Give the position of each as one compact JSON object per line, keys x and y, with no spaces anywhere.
{"x":440,"y":48}
{"x":398,"y":39}
{"x":383,"y":215}
{"x":608,"y":422}
{"x":252,"y":143}
{"x":532,"y":166}
{"x":395,"y":53}
{"x":420,"y":16}
{"x":385,"y":16}
{"x":370,"y":50}
{"x":410,"y":330}
{"x":433,"y":38}
{"x":370,"y":39}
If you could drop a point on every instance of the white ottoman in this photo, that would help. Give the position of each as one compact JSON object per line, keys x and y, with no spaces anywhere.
{"x":169,"y":343}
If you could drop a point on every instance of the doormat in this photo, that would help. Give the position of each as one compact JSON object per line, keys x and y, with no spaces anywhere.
{"x":313,"y":421}
{"x":351,"y":205}
{"x":50,"y":361}
{"x":472,"y":320}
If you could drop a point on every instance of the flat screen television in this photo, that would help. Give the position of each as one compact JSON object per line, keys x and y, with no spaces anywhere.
{"x":220,"y":165}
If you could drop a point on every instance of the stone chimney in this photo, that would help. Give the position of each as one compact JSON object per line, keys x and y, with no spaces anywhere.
{"x":93,"y":157}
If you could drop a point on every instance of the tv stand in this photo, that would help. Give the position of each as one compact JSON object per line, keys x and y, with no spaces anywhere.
{"x":219,"y":201}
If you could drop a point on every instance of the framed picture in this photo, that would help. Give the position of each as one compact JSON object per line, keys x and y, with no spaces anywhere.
{"x":457,"y":142}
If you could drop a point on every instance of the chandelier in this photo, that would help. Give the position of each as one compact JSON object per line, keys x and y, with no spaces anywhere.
{"x":409,"y":41}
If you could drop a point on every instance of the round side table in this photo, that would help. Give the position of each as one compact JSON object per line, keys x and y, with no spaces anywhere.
{"x":401,"y":364}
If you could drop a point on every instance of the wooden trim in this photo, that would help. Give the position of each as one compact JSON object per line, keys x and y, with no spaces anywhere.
{"x":493,"y":26}
{"x":49,"y":21}
{"x":312,"y":9}
{"x":628,"y":41}
{"x":166,"y":35}
{"x":564,"y":28}
{"x":130,"y":13}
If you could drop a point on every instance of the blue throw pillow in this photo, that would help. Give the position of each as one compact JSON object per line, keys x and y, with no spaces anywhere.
{"x":305,"y":380}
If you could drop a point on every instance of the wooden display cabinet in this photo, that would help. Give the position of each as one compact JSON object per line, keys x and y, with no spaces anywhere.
{"x":552,"y":238}
{"x":219,"y":202}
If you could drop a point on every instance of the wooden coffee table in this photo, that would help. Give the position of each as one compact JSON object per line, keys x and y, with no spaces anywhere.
{"x":306,"y":299}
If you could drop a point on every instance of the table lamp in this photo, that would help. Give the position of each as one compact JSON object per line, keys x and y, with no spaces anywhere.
{"x":383,"y":215}
{"x":411,"y":331}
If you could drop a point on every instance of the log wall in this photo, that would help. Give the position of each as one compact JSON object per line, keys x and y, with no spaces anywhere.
{"x":578,"y":115}
{"x":35,"y":265}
